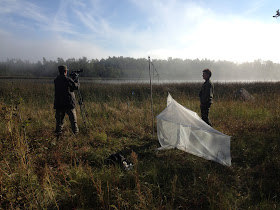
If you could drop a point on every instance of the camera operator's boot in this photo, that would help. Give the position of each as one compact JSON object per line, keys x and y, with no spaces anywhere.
{"x":75,"y":128}
{"x":58,"y":130}
{"x":57,"y":133}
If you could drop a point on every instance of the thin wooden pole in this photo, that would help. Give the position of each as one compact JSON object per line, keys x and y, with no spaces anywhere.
{"x":151,"y":88}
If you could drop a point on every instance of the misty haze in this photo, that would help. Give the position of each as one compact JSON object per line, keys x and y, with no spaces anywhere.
{"x":138,"y":69}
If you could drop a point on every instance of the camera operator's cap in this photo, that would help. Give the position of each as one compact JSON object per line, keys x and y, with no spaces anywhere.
{"x":62,"y":69}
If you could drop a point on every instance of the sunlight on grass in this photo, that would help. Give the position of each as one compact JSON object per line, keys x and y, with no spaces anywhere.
{"x":39,"y":171}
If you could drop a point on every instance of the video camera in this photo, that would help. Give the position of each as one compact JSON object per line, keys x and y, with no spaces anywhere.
{"x":75,"y":74}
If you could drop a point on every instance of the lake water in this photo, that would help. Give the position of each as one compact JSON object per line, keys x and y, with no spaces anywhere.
{"x":121,"y":81}
{"x":131,"y":81}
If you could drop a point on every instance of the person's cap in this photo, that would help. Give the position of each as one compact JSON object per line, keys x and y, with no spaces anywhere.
{"x":62,"y":68}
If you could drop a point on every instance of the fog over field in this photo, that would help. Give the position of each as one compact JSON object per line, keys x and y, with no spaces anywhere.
{"x":127,"y":68}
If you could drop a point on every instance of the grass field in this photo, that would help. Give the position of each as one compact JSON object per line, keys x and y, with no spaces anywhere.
{"x":39,"y":171}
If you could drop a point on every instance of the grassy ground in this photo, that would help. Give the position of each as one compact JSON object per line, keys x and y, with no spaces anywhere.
{"x":39,"y":171}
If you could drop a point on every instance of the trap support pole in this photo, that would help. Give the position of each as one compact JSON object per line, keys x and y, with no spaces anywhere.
{"x":151,"y":88}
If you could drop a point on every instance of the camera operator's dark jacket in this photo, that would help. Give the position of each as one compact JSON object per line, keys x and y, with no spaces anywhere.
{"x":206,"y":93}
{"x":64,"y":92}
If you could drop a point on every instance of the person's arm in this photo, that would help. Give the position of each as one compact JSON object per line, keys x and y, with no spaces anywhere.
{"x":73,"y":85}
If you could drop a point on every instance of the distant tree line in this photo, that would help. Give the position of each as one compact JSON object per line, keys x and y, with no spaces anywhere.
{"x":131,"y":68}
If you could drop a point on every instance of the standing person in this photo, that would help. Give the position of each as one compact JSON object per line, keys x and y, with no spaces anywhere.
{"x":64,"y":101}
{"x":206,"y":96}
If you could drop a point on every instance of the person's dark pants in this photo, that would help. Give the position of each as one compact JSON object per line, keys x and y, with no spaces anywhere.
{"x":59,"y":116}
{"x":204,"y":108}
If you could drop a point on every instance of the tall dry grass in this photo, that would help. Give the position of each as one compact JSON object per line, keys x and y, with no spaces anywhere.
{"x":39,"y":171}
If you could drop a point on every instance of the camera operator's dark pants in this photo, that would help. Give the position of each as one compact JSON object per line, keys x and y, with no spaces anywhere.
{"x":204,"y":108}
{"x":59,"y":116}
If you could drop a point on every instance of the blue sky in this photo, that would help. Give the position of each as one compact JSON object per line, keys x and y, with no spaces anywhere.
{"x":234,"y":30}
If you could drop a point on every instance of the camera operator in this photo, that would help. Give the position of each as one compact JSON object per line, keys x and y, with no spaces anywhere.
{"x":64,"y":101}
